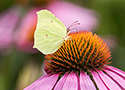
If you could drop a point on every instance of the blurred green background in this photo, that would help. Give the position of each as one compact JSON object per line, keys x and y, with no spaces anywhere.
{"x":19,"y":68}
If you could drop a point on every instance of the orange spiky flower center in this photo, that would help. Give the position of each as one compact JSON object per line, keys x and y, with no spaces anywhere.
{"x":84,"y":51}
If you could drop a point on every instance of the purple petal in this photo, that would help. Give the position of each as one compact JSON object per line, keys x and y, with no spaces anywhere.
{"x":118,"y":71}
{"x":108,"y":81}
{"x":61,"y":82}
{"x":45,"y":84}
{"x":69,"y":13}
{"x":116,"y":78}
{"x":71,"y":82}
{"x":48,"y":84}
{"x":34,"y":84}
{"x":85,"y":82}
{"x":98,"y":81}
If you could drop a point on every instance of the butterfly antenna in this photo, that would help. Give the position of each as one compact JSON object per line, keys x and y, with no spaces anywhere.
{"x":73,"y":24}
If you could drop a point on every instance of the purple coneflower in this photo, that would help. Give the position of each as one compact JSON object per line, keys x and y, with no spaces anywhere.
{"x":80,"y":64}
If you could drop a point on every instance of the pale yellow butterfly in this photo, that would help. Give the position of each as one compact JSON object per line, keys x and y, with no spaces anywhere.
{"x":50,"y":33}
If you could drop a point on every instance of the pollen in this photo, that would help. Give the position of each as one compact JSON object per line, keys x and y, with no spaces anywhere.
{"x":84,"y":51}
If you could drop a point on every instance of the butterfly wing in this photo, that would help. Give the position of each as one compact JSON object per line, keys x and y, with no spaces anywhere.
{"x":49,"y":32}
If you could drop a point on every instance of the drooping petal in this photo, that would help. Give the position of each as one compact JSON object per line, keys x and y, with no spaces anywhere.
{"x":34,"y":84}
{"x":116,"y":70}
{"x":108,"y":81}
{"x":48,"y":84}
{"x":85,"y":82}
{"x":71,"y":82}
{"x":98,"y":81}
{"x":61,"y":82}
{"x":116,"y":78}
{"x":45,"y":84}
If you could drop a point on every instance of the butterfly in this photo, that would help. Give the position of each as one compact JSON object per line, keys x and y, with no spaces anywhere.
{"x":50,"y":33}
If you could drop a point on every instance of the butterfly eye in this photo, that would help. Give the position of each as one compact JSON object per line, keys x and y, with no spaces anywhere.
{"x":46,"y":35}
{"x":51,"y":21}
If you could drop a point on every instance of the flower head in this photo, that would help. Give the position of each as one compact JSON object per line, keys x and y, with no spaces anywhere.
{"x":84,"y":51}
{"x":80,"y":64}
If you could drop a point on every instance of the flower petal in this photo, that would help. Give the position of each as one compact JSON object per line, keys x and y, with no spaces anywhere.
{"x":116,"y":70}
{"x":85,"y":82}
{"x":45,"y":84}
{"x":34,"y":84}
{"x":48,"y":84}
{"x":61,"y":82}
{"x":116,"y":78}
{"x":71,"y":82}
{"x":98,"y":81}
{"x":108,"y":81}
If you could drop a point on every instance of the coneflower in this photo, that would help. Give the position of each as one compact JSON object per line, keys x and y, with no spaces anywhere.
{"x":80,"y":64}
